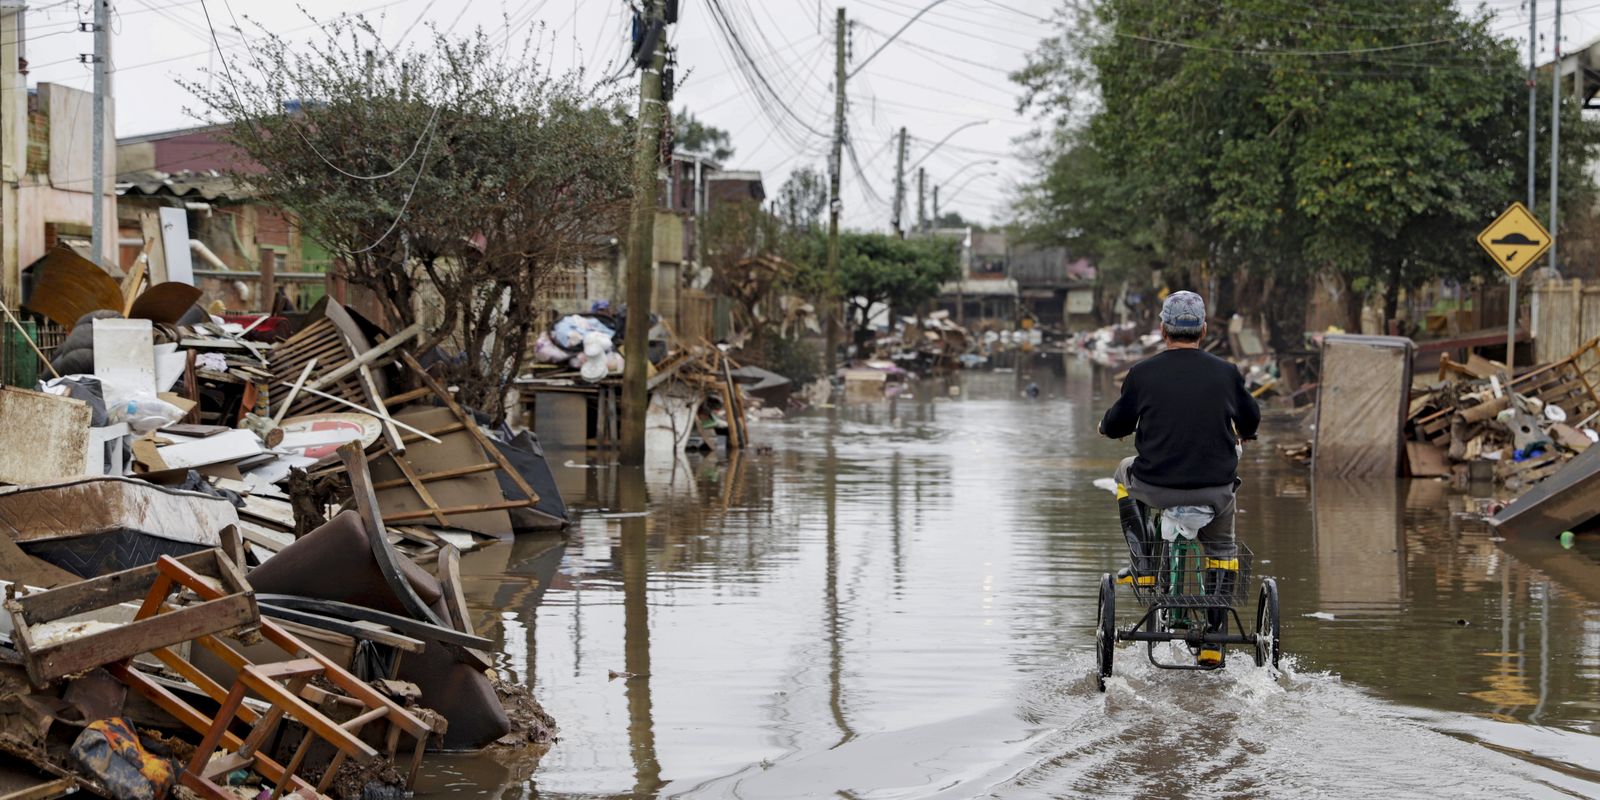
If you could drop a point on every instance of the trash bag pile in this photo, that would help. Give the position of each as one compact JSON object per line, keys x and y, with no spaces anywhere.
{"x":586,"y":343}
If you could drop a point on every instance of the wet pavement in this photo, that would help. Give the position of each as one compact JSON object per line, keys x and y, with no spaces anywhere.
{"x":897,"y":601}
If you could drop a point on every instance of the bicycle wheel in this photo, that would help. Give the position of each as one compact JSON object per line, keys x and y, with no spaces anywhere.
{"x":1105,"y":630}
{"x":1269,"y":642}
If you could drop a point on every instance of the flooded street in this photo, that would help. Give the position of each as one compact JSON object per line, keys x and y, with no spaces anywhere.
{"x":896,"y":600}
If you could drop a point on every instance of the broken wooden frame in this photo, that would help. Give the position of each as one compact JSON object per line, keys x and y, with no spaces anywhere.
{"x":282,"y":684}
{"x":230,"y":607}
{"x":418,"y":481}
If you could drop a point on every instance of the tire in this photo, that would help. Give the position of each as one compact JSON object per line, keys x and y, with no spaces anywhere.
{"x":1269,"y":637}
{"x":1105,"y":630}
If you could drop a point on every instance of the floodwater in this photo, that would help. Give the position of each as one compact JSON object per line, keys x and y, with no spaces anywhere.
{"x":897,"y":600}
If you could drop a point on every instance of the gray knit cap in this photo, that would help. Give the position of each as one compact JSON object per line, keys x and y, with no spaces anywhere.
{"x":1183,"y":311}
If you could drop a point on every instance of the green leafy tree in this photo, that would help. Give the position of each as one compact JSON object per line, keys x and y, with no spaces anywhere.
{"x":742,"y":243}
{"x":451,"y":183}
{"x":1268,"y":141}
{"x":694,"y":136}
{"x":901,"y":273}
{"x":801,"y":200}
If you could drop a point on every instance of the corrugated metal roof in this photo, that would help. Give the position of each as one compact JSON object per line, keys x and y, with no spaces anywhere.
{"x":209,"y":186}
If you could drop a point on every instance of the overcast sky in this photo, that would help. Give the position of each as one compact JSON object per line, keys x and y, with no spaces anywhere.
{"x":949,"y":69}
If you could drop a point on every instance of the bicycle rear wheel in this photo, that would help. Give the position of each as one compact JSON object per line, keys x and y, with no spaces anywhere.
{"x":1105,"y":630}
{"x":1269,"y":644}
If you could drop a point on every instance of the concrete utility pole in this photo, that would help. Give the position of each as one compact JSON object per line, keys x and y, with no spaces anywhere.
{"x":102,"y":89}
{"x":1533,"y":150}
{"x":900,"y":186}
{"x":1555,"y":138}
{"x":641,"y":244}
{"x":835,"y":163}
{"x":935,"y":222}
{"x":922,"y":205}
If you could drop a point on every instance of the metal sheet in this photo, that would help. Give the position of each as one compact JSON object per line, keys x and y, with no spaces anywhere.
{"x":175,"y":243}
{"x":1558,"y":503}
{"x":125,"y":355}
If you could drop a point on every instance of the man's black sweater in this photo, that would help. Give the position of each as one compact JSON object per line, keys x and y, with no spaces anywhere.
{"x":1189,"y":408}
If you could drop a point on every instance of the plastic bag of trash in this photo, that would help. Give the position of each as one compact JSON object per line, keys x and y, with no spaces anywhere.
{"x":109,"y":751}
{"x":570,"y":330}
{"x":596,"y":344}
{"x":547,"y":352}
{"x":1185,"y":521}
{"x":144,"y":413}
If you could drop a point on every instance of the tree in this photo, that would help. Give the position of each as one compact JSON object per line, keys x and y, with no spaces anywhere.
{"x":450,"y":182}
{"x":694,"y":136}
{"x":802,"y":199}
{"x":879,"y":268}
{"x":741,"y":246}
{"x":1268,"y":143}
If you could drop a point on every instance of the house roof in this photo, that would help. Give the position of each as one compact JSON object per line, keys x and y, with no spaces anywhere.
{"x":208,"y":186}
{"x":157,"y":136}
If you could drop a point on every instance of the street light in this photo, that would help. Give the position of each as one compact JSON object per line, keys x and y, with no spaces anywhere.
{"x":946,"y":138}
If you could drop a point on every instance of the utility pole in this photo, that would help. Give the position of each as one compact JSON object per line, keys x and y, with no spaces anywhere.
{"x":102,"y":89}
{"x":1555,"y":139}
{"x":935,"y":222}
{"x":835,"y":163}
{"x":900,"y":187}
{"x":1533,"y":150}
{"x":922,"y":206}
{"x":641,"y":238}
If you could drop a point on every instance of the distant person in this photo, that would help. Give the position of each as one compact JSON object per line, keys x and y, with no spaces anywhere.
{"x":1189,"y":412}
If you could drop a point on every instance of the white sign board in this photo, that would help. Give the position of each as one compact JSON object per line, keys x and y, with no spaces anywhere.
{"x":175,"y":244}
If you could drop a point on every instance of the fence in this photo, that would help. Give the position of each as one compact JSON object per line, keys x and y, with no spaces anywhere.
{"x":1566,"y":313}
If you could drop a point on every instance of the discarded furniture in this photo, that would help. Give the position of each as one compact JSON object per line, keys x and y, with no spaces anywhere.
{"x":53,"y":647}
{"x":95,"y":525}
{"x":1566,"y":499}
{"x":1361,"y":406}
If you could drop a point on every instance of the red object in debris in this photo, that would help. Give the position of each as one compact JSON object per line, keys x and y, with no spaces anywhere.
{"x":274,"y":329}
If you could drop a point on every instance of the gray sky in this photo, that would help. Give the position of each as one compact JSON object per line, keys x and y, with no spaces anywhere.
{"x":948,"y":70}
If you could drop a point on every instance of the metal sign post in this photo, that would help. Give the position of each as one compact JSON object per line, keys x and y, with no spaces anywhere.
{"x":1514,"y":240}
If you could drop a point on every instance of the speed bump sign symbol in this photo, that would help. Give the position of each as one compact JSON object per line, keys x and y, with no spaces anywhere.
{"x":1515,"y":239}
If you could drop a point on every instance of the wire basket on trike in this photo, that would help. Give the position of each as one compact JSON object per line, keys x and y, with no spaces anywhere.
{"x":1188,"y":595}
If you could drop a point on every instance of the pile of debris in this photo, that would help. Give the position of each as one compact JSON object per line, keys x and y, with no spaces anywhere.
{"x":256,"y":533}
{"x":1474,"y":423}
{"x":585,"y":343}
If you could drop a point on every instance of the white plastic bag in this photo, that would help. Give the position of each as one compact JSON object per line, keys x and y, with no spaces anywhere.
{"x":144,"y":413}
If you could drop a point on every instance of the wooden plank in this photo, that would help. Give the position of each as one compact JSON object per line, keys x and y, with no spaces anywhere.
{"x":449,"y":574}
{"x":438,"y":475}
{"x":417,"y":485}
{"x":408,"y":516}
{"x":471,"y":427}
{"x":107,"y":590}
{"x":140,"y":636}
{"x":355,"y":462}
{"x":44,"y":790}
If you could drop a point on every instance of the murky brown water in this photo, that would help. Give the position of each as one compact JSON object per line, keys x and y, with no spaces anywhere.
{"x":897,"y":602}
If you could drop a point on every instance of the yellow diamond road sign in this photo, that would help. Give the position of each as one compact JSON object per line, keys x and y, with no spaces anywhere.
{"x":1515,"y":239}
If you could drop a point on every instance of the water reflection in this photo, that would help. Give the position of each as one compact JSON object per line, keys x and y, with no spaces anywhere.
{"x":1359,"y":529}
{"x":897,"y":601}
